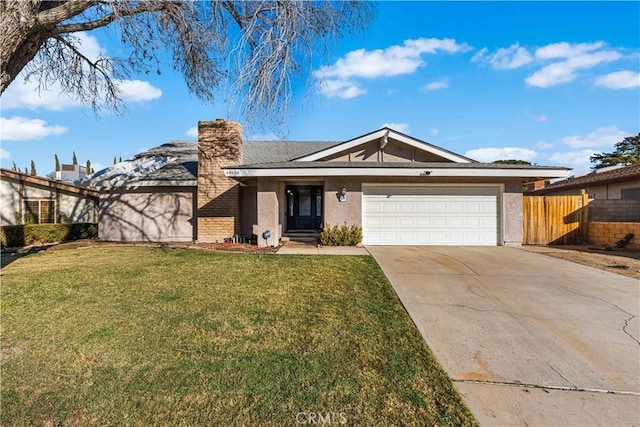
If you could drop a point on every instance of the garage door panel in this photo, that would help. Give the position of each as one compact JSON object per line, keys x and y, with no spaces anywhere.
{"x":430,"y":215}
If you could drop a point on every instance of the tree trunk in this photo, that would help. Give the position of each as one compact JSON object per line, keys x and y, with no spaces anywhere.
{"x":20,"y":39}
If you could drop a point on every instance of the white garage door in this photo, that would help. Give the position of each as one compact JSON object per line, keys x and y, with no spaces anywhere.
{"x":430,"y":215}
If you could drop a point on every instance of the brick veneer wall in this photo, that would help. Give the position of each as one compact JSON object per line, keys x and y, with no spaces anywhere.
{"x":606,"y":233}
{"x":614,"y":210}
{"x":219,"y":202}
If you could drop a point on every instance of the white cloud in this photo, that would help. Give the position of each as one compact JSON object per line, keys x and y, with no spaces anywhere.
{"x":400,"y":127}
{"x":544,"y":145}
{"x":138,"y":90}
{"x":619,"y":80}
{"x":542,"y":118}
{"x":4,"y":154}
{"x":566,"y":50}
{"x":434,"y":131}
{"x":192,"y":132}
{"x":572,"y":58}
{"x":88,"y":45}
{"x":560,"y":63}
{"x":604,"y":136}
{"x":507,"y":153}
{"x":439,"y":84}
{"x":23,"y":93}
{"x":508,"y":58}
{"x":23,"y":129}
{"x":577,"y":159}
{"x":344,"y":89}
{"x":392,"y":61}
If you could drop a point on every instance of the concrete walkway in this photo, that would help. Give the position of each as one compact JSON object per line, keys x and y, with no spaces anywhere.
{"x":527,"y":339}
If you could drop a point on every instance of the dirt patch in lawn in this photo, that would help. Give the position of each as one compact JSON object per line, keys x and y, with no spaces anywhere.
{"x":625,"y":261}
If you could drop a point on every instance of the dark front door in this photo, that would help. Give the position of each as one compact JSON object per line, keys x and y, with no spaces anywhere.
{"x":304,"y":207}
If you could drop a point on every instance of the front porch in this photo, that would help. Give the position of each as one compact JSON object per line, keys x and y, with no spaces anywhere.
{"x":297,"y":209}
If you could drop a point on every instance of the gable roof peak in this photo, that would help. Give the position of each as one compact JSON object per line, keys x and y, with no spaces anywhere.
{"x":385,"y":133}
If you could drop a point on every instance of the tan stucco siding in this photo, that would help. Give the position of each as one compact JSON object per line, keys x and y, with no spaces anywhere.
{"x":268,"y":211}
{"x":148,"y":214}
{"x":512,"y":213}
{"x":249,"y":209}
{"x":337,"y":212}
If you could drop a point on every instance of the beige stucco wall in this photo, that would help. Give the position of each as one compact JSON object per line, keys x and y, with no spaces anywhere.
{"x":249,"y":209}
{"x":512,"y":213}
{"x":75,"y":207}
{"x":268,"y":212}
{"x":158,"y":214}
{"x":337,"y":212}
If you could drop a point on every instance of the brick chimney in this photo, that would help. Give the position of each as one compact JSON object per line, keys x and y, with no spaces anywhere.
{"x":219,"y":201}
{"x":539,"y":184}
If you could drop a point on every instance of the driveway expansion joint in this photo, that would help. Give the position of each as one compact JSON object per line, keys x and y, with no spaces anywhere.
{"x":546,"y":387}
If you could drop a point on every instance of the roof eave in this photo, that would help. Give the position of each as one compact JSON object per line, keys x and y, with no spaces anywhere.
{"x":237,"y":173}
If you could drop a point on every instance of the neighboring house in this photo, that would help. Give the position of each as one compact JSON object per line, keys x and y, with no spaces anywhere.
{"x":614,"y":193}
{"x":41,"y":200}
{"x":71,"y":173}
{"x":401,"y":190}
{"x":616,"y":182}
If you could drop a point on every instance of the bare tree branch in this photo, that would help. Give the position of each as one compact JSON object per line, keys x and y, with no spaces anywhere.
{"x":66,"y":10}
{"x":255,"y":50}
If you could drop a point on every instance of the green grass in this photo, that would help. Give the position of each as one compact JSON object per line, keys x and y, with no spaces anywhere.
{"x":139,"y":336}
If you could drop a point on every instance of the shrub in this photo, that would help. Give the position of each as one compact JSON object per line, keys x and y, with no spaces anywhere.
{"x":341,"y":236}
{"x":33,"y":234}
{"x":29,"y":217}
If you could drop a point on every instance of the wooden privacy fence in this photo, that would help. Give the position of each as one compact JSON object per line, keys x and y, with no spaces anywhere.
{"x":559,"y":220}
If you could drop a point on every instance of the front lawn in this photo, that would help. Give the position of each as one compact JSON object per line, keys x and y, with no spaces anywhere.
{"x":139,"y":336}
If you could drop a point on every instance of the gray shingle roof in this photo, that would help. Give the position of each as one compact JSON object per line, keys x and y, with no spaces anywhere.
{"x":278,"y":151}
{"x":183,"y":165}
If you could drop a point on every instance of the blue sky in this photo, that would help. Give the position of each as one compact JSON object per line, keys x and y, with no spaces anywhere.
{"x":547,"y":82}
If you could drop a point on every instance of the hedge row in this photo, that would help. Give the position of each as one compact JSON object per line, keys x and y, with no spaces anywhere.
{"x":34,"y":234}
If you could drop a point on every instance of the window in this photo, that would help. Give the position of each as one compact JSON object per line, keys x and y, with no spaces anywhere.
{"x":630,"y":193}
{"x":39,"y":212}
{"x":304,"y":202}
{"x":318,"y":202}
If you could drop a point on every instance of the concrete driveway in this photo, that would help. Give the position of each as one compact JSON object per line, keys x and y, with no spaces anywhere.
{"x":527,"y":339}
